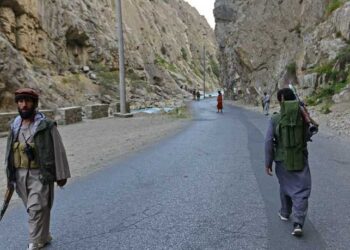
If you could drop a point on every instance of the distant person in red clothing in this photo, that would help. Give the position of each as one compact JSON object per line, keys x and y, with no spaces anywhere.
{"x":219,"y":99}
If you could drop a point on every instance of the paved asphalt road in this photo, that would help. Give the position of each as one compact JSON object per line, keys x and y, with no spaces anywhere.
{"x":204,"y":188}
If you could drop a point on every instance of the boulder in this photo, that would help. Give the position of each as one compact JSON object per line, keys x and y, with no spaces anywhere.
{"x":343,"y":96}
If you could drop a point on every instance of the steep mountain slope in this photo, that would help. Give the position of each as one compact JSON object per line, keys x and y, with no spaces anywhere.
{"x":269,"y":44}
{"x":45,"y":44}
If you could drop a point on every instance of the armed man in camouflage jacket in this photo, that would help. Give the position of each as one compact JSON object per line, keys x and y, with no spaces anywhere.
{"x":35,"y":159}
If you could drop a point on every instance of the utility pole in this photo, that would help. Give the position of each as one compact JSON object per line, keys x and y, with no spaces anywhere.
{"x":204,"y":71}
{"x":122,"y":92}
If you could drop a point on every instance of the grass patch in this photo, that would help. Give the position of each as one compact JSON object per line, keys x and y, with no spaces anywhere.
{"x":195,"y":69}
{"x":71,"y":79}
{"x":215,"y":67}
{"x":344,"y":56}
{"x":132,"y":76}
{"x":179,"y":113}
{"x":105,"y":75}
{"x":324,"y":95}
{"x":160,"y":61}
{"x":138,"y":84}
{"x":327,"y":69}
{"x":326,"y":108}
{"x":324,"y":69}
{"x":184,"y":54}
{"x":108,"y":78}
{"x":291,"y":68}
{"x":333,"y":5}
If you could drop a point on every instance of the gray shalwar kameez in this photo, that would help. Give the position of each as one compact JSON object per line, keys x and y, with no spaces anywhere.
{"x":38,"y":198}
{"x":266,"y":101}
{"x":295,"y":186}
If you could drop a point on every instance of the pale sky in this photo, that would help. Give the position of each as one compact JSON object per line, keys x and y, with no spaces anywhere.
{"x":205,"y":8}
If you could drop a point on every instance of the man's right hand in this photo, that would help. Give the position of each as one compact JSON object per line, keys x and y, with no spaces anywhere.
{"x":61,"y":183}
{"x":269,"y":170}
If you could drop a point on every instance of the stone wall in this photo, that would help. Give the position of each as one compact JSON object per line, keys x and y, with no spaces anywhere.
{"x":69,"y":115}
{"x":96,"y":111}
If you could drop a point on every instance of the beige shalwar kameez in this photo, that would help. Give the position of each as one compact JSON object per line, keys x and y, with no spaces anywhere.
{"x":38,"y":198}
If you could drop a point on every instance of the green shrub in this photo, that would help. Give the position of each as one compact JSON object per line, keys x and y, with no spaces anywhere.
{"x":195,"y":69}
{"x":132,"y":76}
{"x":160,"y":61}
{"x":105,"y":75}
{"x":333,"y":5}
{"x":108,"y":77}
{"x":312,"y":100}
{"x":214,"y":67}
{"x":327,"y":69}
{"x":179,"y":112}
{"x":338,"y":87}
{"x":324,"y":69}
{"x":338,"y":34}
{"x":326,"y":108}
{"x":98,"y":67}
{"x":324,"y":95}
{"x":184,"y":54}
{"x":291,"y":68}
{"x":344,"y":56}
{"x":138,"y":84}
{"x":71,"y":79}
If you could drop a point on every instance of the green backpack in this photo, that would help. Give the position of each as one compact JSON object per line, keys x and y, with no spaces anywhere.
{"x":291,"y":136}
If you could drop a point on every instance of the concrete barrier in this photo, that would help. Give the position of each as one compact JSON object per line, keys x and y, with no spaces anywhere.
{"x":69,"y":115}
{"x":95,"y":111}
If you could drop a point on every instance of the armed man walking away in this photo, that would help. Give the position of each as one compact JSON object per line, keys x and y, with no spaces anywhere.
{"x":286,"y":145}
{"x":35,"y":159}
{"x":266,"y":103}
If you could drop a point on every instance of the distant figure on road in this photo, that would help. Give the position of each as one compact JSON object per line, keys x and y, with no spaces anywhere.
{"x":198,"y":95}
{"x":290,"y":155}
{"x":35,"y":159}
{"x":194,"y":94}
{"x":219,"y":100}
{"x":266,"y":103}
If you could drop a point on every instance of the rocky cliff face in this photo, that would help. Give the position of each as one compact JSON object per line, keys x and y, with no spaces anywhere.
{"x":269,"y":44}
{"x":45,"y":44}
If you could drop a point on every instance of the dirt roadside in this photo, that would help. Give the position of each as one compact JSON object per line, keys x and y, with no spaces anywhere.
{"x":93,"y":143}
{"x":334,"y":124}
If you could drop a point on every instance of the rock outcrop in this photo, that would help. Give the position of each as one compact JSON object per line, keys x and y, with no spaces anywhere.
{"x":269,"y":44}
{"x":68,"y":50}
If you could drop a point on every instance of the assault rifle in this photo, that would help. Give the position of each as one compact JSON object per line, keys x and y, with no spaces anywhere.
{"x":8,"y":195}
{"x":313,"y":125}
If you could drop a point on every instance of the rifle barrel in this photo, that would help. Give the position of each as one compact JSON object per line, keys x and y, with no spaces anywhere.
{"x":7,"y":200}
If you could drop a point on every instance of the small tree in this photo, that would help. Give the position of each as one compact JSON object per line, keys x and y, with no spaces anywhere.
{"x":184,"y":53}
